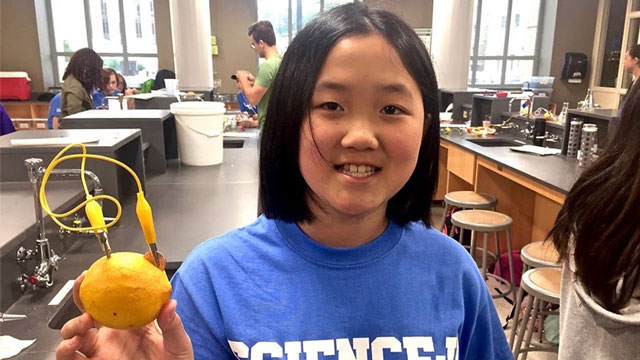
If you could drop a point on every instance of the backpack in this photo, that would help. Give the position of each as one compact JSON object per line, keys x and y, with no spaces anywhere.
{"x":146,"y":86}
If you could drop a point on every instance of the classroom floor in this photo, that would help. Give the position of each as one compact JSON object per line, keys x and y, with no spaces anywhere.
{"x":502,"y":306}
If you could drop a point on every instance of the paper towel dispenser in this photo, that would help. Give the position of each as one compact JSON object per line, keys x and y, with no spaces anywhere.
{"x":575,"y":67}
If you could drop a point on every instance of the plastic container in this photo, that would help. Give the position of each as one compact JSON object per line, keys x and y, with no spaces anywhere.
{"x":14,"y":85}
{"x":199,"y":127}
{"x":171,"y":85}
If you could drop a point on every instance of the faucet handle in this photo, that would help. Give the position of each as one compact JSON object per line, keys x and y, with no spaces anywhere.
{"x":33,"y":165}
{"x":23,"y":255}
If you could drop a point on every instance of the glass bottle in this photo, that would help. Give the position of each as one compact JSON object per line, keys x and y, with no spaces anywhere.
{"x":562,"y":118}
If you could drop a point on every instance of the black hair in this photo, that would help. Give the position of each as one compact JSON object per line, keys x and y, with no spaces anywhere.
{"x":282,"y":187}
{"x":158,"y":83}
{"x":86,"y":66}
{"x":598,"y":223}
{"x":263,"y":30}
{"x":634,"y":51}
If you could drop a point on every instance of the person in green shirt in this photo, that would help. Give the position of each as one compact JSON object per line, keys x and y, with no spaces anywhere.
{"x":81,"y":77}
{"x":257,"y":89}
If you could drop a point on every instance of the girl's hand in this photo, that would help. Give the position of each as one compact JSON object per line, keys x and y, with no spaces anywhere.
{"x":161,"y":339}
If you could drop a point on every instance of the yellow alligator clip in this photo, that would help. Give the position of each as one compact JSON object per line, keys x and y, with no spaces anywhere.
{"x":96,"y":218}
{"x":143,"y":210}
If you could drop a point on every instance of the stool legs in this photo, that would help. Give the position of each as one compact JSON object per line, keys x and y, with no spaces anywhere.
{"x":485,"y":239}
{"x":516,"y":315}
{"x":512,"y":281}
{"x":530,"y":330}
{"x":498,"y":257}
{"x":523,"y":328}
{"x":444,"y":217}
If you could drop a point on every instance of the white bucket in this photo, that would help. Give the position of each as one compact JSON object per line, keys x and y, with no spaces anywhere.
{"x":199,"y":128}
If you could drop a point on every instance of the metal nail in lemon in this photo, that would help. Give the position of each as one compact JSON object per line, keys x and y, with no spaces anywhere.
{"x":121,"y":290}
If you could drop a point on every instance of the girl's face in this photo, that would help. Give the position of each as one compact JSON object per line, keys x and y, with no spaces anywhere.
{"x":112,"y":85}
{"x":120,"y":85}
{"x":361,"y":143}
{"x":629,"y":62}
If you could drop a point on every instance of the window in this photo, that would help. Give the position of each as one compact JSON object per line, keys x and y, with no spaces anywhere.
{"x":138,"y":21}
{"x":289,"y":16}
{"x":105,"y":20}
{"x":153,"y":20}
{"x":130,"y":49}
{"x":610,"y":54}
{"x":504,"y":48}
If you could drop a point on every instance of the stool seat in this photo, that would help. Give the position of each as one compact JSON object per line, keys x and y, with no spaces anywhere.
{"x":543,"y":283}
{"x":540,"y":254}
{"x":471,"y":200}
{"x":481,"y":220}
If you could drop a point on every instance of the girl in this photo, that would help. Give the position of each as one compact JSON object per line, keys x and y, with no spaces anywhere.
{"x":344,"y":263}
{"x":631,"y":63}
{"x":597,"y":235}
{"x":82,"y":76}
{"x":108,"y":87}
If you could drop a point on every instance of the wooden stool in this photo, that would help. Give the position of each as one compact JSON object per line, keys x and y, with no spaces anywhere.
{"x":467,"y":200}
{"x":534,"y":255}
{"x":486,"y":221}
{"x":542,"y":284}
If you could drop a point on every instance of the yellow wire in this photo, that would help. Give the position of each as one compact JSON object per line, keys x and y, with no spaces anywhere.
{"x":57,"y":160}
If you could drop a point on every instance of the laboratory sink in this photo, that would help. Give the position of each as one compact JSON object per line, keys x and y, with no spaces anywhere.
{"x":496,"y":142}
{"x":68,"y":309}
{"x":232,"y":143}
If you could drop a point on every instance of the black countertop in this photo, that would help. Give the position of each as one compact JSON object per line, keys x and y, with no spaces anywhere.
{"x":190,"y":205}
{"x":557,"y":172}
{"x":602,"y":114}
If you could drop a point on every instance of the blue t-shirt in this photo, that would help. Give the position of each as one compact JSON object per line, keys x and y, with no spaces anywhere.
{"x":268,"y":291}
{"x":54,"y":110}
{"x":245,"y":105}
{"x":98,"y":96}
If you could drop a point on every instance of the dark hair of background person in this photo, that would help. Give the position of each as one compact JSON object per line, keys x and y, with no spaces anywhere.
{"x":158,"y":83}
{"x":106,"y":77}
{"x":598,"y":222}
{"x":282,"y":187}
{"x":86,"y":66}
{"x":634,"y":51}
{"x":263,"y":30}
{"x":122,"y":82}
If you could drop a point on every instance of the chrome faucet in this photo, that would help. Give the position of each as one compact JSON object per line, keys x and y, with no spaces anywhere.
{"x":43,"y":273}
{"x":48,"y":260}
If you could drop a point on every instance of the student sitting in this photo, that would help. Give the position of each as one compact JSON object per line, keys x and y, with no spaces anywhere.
{"x":108,"y":87}
{"x":54,"y":112}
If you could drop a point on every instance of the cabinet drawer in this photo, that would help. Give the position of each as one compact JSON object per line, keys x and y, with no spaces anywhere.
{"x":462,"y":164}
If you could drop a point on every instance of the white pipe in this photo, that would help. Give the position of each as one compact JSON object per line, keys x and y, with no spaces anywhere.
{"x":191,"y":33}
{"x":451,"y":42}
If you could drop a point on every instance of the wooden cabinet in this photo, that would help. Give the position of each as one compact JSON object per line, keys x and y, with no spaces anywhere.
{"x":462,"y":164}
{"x":28,"y":115}
{"x":532,"y":206}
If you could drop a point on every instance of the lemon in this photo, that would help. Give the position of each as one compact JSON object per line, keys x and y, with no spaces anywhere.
{"x":125,"y":291}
